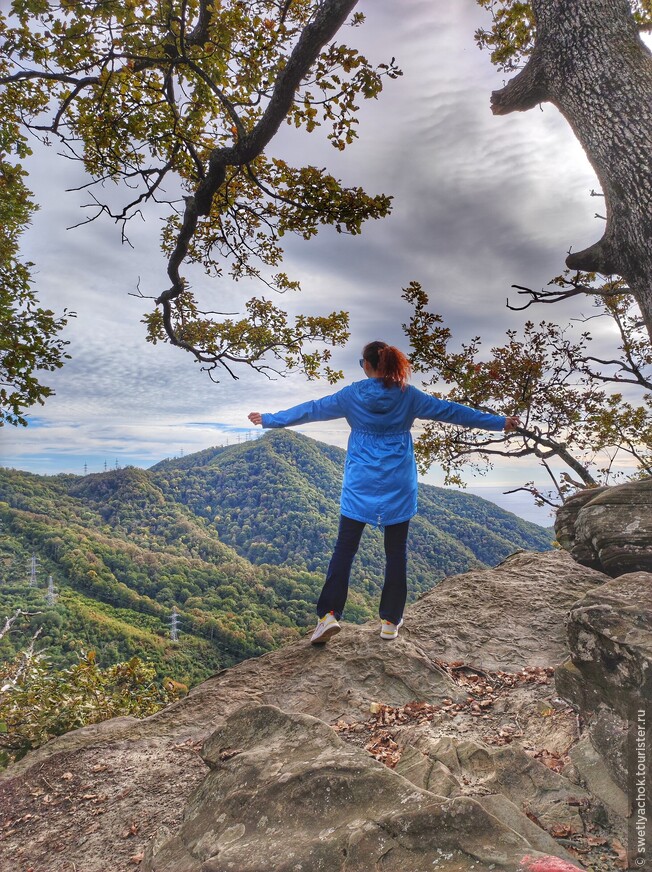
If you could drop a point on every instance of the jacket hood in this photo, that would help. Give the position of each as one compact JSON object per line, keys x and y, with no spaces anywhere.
{"x":375,"y":397}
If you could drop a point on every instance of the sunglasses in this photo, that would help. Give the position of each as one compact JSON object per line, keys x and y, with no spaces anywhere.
{"x":361,"y":362}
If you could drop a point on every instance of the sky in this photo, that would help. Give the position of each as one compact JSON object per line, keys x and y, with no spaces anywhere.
{"x":480,"y":203}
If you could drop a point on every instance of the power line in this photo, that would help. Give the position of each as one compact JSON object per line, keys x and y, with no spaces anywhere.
{"x":174,"y":625}
{"x":51,"y":595}
{"x":32,"y":574}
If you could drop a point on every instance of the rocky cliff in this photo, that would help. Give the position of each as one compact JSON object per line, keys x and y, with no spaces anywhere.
{"x":609,"y":528}
{"x":451,"y":748}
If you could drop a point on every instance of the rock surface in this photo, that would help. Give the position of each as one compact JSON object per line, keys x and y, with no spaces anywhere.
{"x":500,"y":619}
{"x":609,"y":528}
{"x":285,"y":793}
{"x":108,"y":790}
{"x":608,"y":678}
{"x":610,"y":641}
{"x":595,"y":774}
{"x":479,"y":769}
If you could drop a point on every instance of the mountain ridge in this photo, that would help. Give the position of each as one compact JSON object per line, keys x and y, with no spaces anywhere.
{"x":236,"y":539}
{"x":483,"y":531}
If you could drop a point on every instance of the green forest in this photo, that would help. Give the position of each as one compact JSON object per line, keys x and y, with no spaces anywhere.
{"x":236,"y":539}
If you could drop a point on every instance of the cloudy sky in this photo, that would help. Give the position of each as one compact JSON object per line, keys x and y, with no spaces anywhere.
{"x":479,"y":203}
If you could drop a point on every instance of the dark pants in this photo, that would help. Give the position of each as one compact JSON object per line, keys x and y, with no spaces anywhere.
{"x":336,"y":586}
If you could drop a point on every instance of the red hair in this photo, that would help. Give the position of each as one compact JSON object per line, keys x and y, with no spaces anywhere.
{"x":391,"y":364}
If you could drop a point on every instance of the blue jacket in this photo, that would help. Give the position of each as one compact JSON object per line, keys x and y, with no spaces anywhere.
{"x":380,"y":474}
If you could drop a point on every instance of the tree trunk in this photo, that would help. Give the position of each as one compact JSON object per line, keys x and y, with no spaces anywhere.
{"x":589,"y":61}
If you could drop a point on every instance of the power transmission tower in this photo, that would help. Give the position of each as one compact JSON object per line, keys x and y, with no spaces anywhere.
{"x":174,"y":625}
{"x":85,"y":469}
{"x":51,"y":595}
{"x":32,"y":573}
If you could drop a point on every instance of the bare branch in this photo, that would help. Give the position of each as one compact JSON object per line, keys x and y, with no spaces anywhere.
{"x":26,"y":657}
{"x":535,"y":492}
{"x":574,"y":290}
{"x":639,"y":378}
{"x":10,"y":621}
{"x":556,"y":484}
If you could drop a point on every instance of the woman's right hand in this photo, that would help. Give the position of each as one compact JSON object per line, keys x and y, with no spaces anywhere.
{"x":255,"y":418}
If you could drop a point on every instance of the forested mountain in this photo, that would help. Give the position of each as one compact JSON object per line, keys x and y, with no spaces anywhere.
{"x":276,"y":500}
{"x":235,"y":538}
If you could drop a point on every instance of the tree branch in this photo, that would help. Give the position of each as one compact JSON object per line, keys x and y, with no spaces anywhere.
{"x":200,"y":33}
{"x":639,"y":378}
{"x":525,"y":91}
{"x":10,"y":621}
{"x":328,"y":20}
{"x":558,"y":448}
{"x":574,"y":289}
{"x":68,"y":78}
{"x":535,"y":492}
{"x":601,"y":258}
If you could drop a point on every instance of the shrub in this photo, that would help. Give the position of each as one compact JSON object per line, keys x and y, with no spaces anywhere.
{"x":38,"y":702}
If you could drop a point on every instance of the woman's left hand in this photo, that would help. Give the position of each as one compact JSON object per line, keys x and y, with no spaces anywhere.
{"x":511,"y":423}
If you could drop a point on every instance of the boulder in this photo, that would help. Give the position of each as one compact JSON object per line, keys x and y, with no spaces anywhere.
{"x":285,"y":793}
{"x":592,"y":768}
{"x":565,"y":527}
{"x":610,"y":641}
{"x":609,"y":733}
{"x":608,"y":677}
{"x":609,"y":528}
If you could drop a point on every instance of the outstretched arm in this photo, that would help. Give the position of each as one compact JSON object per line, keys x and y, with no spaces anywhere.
{"x":324,"y":409}
{"x":434,"y":409}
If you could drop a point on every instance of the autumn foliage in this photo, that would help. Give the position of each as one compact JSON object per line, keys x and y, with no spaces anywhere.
{"x":585,"y":418}
{"x":38,"y":702}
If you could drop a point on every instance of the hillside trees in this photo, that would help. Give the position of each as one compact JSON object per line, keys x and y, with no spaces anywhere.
{"x":583,"y":415}
{"x":177,"y":102}
{"x":586,"y":57}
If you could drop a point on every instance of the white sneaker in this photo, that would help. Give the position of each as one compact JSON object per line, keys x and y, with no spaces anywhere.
{"x":325,"y":629}
{"x":389,"y":630}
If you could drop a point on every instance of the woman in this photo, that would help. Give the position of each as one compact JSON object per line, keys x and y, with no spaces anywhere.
{"x":380,"y":475}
